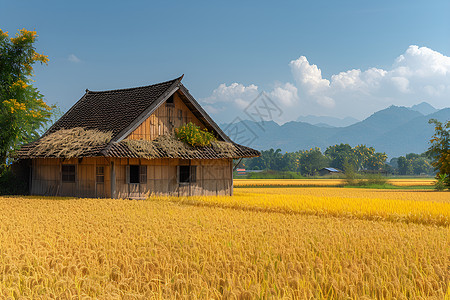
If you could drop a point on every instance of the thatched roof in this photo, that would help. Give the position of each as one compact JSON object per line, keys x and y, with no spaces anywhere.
{"x":79,"y":142}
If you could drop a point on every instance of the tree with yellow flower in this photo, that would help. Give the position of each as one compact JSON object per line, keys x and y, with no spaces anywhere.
{"x":22,"y":108}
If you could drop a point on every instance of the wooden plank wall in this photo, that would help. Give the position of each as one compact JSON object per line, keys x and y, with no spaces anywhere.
{"x":164,"y":120}
{"x":214,"y":177}
{"x":46,"y":178}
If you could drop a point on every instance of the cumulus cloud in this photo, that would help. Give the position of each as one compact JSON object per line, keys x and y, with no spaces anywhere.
{"x":226,"y":100}
{"x":419,"y":74}
{"x":286,"y":95}
{"x":73,"y":58}
{"x":308,"y":76}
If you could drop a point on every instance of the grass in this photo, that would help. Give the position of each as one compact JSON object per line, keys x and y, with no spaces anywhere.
{"x":269,"y":174}
{"x":308,"y":243}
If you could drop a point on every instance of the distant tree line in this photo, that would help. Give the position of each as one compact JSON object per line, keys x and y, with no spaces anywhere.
{"x":309,"y":162}
{"x":412,"y":164}
{"x":359,"y":158}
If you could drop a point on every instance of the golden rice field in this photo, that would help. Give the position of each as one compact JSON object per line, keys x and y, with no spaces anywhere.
{"x":283,"y":243}
{"x":325,"y":182}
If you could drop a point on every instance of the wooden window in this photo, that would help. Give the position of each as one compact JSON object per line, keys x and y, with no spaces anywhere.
{"x":136,"y":174}
{"x":100,"y":174}
{"x":143,"y":174}
{"x":68,"y":173}
{"x":180,"y":115}
{"x":187,"y":174}
{"x":170,"y":118}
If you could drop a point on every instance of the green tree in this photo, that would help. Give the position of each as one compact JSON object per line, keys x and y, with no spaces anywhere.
{"x":412,"y":163}
{"x":362,"y":154}
{"x":312,"y":161}
{"x":291,"y":161}
{"x":22,"y":108}
{"x":269,"y":160}
{"x":375,"y":161}
{"x":404,"y":166}
{"x":440,"y":150}
{"x":338,"y":154}
{"x":420,"y":165}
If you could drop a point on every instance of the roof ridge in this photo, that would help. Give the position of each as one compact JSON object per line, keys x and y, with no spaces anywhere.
{"x":134,"y":88}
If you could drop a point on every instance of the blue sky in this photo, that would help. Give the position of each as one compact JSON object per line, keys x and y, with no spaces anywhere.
{"x":230,"y":51}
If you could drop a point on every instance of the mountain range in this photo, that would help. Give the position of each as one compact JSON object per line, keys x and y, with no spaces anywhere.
{"x":396,"y":130}
{"x":324,"y":121}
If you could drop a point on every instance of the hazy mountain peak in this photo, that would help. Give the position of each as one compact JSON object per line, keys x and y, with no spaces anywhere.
{"x":396,"y":130}
{"x":326,"y":121}
{"x":424,"y":108}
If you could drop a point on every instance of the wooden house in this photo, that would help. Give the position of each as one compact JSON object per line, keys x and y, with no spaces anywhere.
{"x":120,"y":144}
{"x":329,"y":171}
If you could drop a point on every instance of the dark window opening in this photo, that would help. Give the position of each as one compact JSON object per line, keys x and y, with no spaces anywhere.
{"x":100,"y":174}
{"x":68,"y":173}
{"x":180,"y":114}
{"x":134,"y":174}
{"x":187,"y":174}
{"x":137,"y":174}
{"x":169,"y":101}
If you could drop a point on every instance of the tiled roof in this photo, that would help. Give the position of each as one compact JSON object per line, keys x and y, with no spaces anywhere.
{"x":111,"y":110}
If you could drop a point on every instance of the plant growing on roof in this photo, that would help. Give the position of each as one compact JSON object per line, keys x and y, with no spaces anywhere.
{"x":194,"y":135}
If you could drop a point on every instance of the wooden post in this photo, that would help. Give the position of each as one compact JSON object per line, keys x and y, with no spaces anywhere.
{"x":30,"y":179}
{"x":95,"y":178}
{"x":113,"y":180}
{"x":231,"y":176}
{"x":59,"y":177}
{"x":190,"y":177}
{"x":203,"y":177}
{"x":139,"y":186}
{"x":127,"y":175}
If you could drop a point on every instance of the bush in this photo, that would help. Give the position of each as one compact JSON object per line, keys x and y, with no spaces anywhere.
{"x":375,"y":179}
{"x":354,"y":179}
{"x":10,"y":184}
{"x":194,"y":136}
{"x":443,"y":182}
{"x":269,"y":174}
{"x":350,"y":174}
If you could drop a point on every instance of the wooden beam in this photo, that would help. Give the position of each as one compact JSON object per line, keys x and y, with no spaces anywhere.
{"x":113,"y":180}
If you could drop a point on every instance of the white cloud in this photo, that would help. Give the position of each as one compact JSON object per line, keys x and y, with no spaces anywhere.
{"x":73,"y":58}
{"x":286,"y":94}
{"x":308,"y":76}
{"x":419,"y":74}
{"x":234,"y":92}
{"x":227,"y":101}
